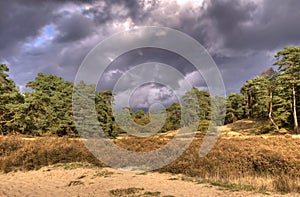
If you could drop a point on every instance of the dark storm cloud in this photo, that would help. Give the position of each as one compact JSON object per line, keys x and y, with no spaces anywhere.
{"x":276,"y":26}
{"x":18,"y":22}
{"x":244,"y":25}
{"x":144,"y":55}
{"x":239,"y":34}
{"x":74,"y":28}
{"x":106,"y":10}
{"x":228,"y":16}
{"x":237,"y":70}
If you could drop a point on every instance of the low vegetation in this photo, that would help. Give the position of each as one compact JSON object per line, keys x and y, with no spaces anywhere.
{"x":126,"y":192}
{"x":17,"y":153}
{"x":75,"y":183}
{"x":254,"y":163}
{"x":134,"y":192}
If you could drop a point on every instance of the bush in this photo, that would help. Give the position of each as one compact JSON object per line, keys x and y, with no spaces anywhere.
{"x":17,"y":153}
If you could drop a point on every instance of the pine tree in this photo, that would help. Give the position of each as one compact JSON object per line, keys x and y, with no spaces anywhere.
{"x":104,"y":111}
{"x":288,"y":61}
{"x":173,"y":117}
{"x":256,"y":98}
{"x":234,"y":108}
{"x":47,"y":108}
{"x":9,"y":96}
{"x":190,"y":109}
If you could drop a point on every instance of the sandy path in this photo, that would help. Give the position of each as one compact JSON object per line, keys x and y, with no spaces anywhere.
{"x":57,"y":181}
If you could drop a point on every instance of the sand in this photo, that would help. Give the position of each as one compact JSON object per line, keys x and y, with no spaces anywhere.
{"x":93,"y":181}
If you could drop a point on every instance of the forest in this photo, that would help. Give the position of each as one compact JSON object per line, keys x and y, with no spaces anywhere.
{"x":47,"y":108}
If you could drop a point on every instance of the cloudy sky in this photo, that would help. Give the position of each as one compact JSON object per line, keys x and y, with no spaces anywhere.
{"x":54,"y":36}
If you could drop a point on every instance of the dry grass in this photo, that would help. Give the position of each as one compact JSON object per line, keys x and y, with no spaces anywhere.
{"x":75,"y":183}
{"x":133,"y":192}
{"x":126,"y":192}
{"x":19,"y":154}
{"x":256,"y":163}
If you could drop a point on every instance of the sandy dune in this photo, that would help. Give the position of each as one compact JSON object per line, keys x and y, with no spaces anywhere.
{"x":57,"y":181}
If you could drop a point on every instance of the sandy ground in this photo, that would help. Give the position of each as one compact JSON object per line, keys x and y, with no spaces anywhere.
{"x":57,"y":181}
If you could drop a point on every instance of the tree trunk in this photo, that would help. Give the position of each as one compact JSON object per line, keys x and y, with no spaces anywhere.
{"x":251,"y":106}
{"x":296,"y":128}
{"x":271,"y":111}
{"x":246,"y":109}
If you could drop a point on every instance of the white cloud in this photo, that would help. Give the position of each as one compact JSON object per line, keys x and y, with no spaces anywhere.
{"x":145,"y":96}
{"x":190,"y":2}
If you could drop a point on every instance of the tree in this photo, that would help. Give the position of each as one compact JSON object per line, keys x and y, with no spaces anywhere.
{"x":86,"y":113}
{"x":104,"y":111}
{"x":256,"y":98}
{"x":218,"y":110}
{"x":9,"y":96}
{"x":279,"y":111}
{"x":288,"y":61}
{"x":234,"y":108}
{"x":271,"y":89}
{"x":47,"y":108}
{"x":190,"y":111}
{"x":204,"y":101}
{"x":248,"y":98}
{"x":173,"y":117}
{"x":93,"y":111}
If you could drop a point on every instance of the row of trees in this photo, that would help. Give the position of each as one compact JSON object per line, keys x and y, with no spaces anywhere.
{"x":47,"y":108}
{"x":273,"y":95}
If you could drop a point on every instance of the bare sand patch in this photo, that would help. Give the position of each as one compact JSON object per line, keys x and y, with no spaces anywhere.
{"x":58,"y":181}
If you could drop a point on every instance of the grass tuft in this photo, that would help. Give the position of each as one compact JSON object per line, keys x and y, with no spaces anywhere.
{"x":75,"y":183}
{"x":125,"y":192}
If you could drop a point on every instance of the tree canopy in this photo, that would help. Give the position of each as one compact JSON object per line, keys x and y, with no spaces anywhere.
{"x":47,"y":107}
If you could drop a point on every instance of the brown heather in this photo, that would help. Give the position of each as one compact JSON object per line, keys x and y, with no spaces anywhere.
{"x":253,"y":163}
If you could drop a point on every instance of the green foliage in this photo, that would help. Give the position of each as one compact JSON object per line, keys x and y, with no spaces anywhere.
{"x":218,"y":110}
{"x":190,"y":113}
{"x":288,"y":62}
{"x":48,"y":107}
{"x":141,"y":118}
{"x":256,"y":101}
{"x":173,"y":118}
{"x":86,"y":102}
{"x":275,"y":97}
{"x":204,"y":101}
{"x":9,"y":97}
{"x":234,"y":108}
{"x":105,"y":113}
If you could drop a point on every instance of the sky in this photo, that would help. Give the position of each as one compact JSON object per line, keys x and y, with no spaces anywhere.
{"x":54,"y":36}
